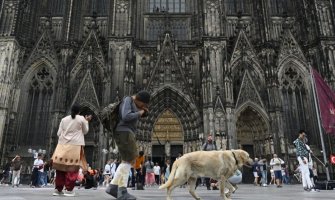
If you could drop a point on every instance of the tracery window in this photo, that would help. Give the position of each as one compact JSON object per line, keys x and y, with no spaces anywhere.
{"x":279,"y":7}
{"x":294,"y":101}
{"x":57,"y":7}
{"x":172,"y":6}
{"x":99,"y":7}
{"x":37,"y":106}
{"x":233,"y":7}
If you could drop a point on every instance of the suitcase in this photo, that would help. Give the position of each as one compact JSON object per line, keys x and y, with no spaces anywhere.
{"x":325,"y":185}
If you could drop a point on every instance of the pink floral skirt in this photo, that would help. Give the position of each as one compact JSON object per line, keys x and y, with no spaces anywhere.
{"x":150,"y":178}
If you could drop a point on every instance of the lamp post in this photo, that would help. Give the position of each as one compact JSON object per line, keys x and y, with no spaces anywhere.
{"x":36,"y":152}
{"x":201,"y":137}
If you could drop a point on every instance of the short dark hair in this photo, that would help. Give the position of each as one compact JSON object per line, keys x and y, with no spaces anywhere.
{"x":301,"y":131}
{"x":141,"y":153}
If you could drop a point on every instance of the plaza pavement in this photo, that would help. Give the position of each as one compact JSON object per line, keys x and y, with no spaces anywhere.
{"x":245,"y":192}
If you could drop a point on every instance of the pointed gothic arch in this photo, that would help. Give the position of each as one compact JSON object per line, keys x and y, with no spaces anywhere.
{"x":296,"y":97}
{"x":252,"y":129}
{"x":181,"y":105}
{"x":36,"y":104}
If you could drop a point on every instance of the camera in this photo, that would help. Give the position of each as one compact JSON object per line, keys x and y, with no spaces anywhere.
{"x":145,"y":114}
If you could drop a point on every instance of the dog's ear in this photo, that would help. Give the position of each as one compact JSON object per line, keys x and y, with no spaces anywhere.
{"x":243,"y":156}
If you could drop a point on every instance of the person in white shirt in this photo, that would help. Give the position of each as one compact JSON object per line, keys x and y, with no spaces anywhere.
{"x":107,"y":173}
{"x":276,"y":166}
{"x":157,"y":172}
{"x":37,"y":170}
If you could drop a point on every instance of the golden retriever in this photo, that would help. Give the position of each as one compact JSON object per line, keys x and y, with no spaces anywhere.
{"x":219,"y":165}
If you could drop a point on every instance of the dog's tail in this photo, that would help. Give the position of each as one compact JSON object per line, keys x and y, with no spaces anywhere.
{"x":171,"y":177}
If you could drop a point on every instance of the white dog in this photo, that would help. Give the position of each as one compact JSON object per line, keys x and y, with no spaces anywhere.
{"x":219,"y":165}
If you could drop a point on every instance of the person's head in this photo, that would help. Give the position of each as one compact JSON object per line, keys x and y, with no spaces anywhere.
{"x":302,"y":134}
{"x":39,"y":156}
{"x":180,"y":154}
{"x":167,"y":161}
{"x":256,"y":159}
{"x":141,"y":153}
{"x":142,"y":99}
{"x":149,"y":159}
{"x":210,"y":138}
{"x":275,"y":156}
{"x":18,"y":157}
{"x":75,"y":109}
{"x":156,"y":164}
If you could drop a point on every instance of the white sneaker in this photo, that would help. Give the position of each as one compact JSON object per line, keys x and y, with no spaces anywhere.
{"x":69,"y":193}
{"x":57,"y":193}
{"x":315,"y":190}
{"x":264,"y":185}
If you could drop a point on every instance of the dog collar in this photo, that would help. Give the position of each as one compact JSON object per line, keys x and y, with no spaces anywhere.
{"x":235,"y":158}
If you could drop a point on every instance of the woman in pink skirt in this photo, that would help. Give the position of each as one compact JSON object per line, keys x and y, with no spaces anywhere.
{"x":149,"y":176}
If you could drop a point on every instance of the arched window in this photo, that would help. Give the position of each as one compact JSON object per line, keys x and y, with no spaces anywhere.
{"x":99,"y":7}
{"x":172,"y":6}
{"x":279,"y":7}
{"x":233,"y":7}
{"x":36,"y":108}
{"x":294,"y":101}
{"x":57,"y":7}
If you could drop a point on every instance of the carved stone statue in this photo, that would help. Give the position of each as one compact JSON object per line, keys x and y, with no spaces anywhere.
{"x":272,"y":146}
{"x":167,"y":148}
{"x":189,"y":145}
{"x":218,"y":142}
{"x":224,"y":143}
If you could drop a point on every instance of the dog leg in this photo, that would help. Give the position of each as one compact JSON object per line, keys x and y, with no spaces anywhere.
{"x":222,"y":187}
{"x":230,"y":188}
{"x":191,"y":183}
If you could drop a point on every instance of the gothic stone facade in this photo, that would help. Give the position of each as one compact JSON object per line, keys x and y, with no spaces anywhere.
{"x":237,"y":69}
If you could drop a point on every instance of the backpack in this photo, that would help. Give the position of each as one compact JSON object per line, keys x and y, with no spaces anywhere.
{"x":207,"y":145}
{"x":109,"y":116}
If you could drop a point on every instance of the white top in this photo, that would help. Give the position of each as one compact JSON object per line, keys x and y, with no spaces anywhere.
{"x":276,"y":164}
{"x":38,"y":163}
{"x":157,"y":170}
{"x":107,"y":170}
{"x":71,"y":131}
{"x":113,"y":169}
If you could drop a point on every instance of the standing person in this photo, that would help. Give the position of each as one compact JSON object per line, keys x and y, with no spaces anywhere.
{"x":263,"y":169}
{"x":209,"y":146}
{"x":17,"y":166}
{"x":139,"y":162}
{"x":276,"y":165}
{"x":149,"y":172}
{"x":69,"y":154}
{"x":130,"y":111}
{"x":37,"y":171}
{"x":256,"y":171}
{"x":5,"y":173}
{"x":302,"y":157}
{"x":107,"y":173}
{"x":157,"y":172}
{"x":167,"y":169}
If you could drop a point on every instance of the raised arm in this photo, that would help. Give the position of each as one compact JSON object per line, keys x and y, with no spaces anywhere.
{"x":126,"y":113}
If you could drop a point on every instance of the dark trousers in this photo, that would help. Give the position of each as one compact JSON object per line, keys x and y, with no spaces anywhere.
{"x":157,"y":179}
{"x":208,"y":184}
{"x":67,"y":179}
{"x":34,"y":177}
{"x":133,"y":178}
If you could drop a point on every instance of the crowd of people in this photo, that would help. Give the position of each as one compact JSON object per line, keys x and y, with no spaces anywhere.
{"x":305,"y":171}
{"x":133,"y":169}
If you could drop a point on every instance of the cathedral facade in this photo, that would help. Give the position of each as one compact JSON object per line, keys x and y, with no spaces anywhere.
{"x":235,"y":69}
